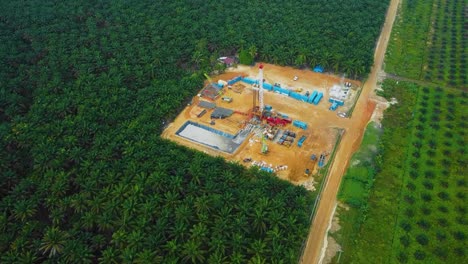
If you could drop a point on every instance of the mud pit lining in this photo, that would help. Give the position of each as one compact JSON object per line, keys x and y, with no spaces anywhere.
{"x":211,"y":137}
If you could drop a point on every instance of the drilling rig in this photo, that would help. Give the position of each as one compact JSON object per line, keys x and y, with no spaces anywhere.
{"x":258,"y":92}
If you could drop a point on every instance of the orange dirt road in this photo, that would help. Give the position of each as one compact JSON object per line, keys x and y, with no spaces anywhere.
{"x":350,"y":142}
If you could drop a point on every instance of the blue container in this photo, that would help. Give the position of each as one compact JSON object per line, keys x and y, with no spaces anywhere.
{"x":318,"y":98}
{"x":333,"y":106}
{"x":298,"y":96}
{"x":299,"y":124}
{"x":249,"y":80}
{"x":281,"y":90}
{"x":318,"y":68}
{"x":338,"y":102}
{"x":267,"y":169}
{"x":294,"y":95}
{"x":268,"y":107}
{"x":267,"y":86}
{"x":233,"y":81}
{"x":301,"y":141}
{"x":312,"y":97}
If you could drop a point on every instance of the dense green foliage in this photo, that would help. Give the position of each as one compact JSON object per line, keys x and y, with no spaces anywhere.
{"x":245,"y":57}
{"x":292,"y":32}
{"x":85,"y":89}
{"x":430,"y":42}
{"x":417,"y":208}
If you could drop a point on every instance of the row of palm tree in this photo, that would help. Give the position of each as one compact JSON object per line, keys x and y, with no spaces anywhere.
{"x":87,"y":87}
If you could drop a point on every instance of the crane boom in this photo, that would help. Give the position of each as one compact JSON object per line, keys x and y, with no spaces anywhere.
{"x":208,"y":77}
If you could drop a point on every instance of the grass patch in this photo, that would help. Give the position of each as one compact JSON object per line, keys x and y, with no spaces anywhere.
{"x":359,"y":176}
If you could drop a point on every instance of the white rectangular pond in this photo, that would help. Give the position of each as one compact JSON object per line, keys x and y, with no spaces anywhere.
{"x":211,"y":137}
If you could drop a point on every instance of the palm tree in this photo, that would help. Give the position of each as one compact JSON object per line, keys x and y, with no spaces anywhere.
{"x":147,"y":256}
{"x":109,"y":256}
{"x":78,"y":202}
{"x":199,"y":231}
{"x":104,"y":221}
{"x":193,"y":252}
{"x":259,"y":221}
{"x":53,"y":241}
{"x":172,"y":247}
{"x":217,"y":258}
{"x":76,"y":251}
{"x":198,"y":58}
{"x":88,"y":220}
{"x":24,"y":209}
{"x":253,"y":51}
{"x":10,"y":257}
{"x":237,"y":258}
{"x":27,"y":257}
{"x":257,"y":259}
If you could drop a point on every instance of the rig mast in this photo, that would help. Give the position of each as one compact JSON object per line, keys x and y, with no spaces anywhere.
{"x":260,"y":89}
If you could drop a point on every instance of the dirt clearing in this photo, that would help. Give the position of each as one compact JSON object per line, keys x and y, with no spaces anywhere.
{"x":289,"y":162}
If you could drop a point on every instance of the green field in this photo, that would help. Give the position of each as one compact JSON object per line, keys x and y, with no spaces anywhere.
{"x":416,"y":210}
{"x":429,"y":42}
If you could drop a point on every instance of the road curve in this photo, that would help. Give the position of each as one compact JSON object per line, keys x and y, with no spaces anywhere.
{"x":349,"y":144}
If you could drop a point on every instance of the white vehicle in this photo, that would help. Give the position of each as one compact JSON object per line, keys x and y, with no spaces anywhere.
{"x":341,"y":114}
{"x":295,"y":78}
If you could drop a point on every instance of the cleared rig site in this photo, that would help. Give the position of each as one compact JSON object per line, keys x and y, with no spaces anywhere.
{"x":280,"y":119}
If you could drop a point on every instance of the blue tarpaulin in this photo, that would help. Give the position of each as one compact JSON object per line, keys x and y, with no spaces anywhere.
{"x":318,"y":68}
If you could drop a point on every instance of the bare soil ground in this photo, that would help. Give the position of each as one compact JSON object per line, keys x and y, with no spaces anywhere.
{"x":322,"y":123}
{"x":349,"y":144}
{"x":332,"y":246}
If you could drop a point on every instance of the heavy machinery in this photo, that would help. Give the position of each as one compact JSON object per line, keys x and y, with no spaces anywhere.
{"x":321,"y":161}
{"x":208,"y":77}
{"x":276,"y":121}
{"x":227,"y":99}
{"x":264,"y":145}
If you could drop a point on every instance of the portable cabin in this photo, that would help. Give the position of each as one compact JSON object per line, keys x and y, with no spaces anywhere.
{"x":312,"y":97}
{"x":301,"y":141}
{"x":300,"y":124}
{"x":318,"y":98}
{"x":298,"y":96}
